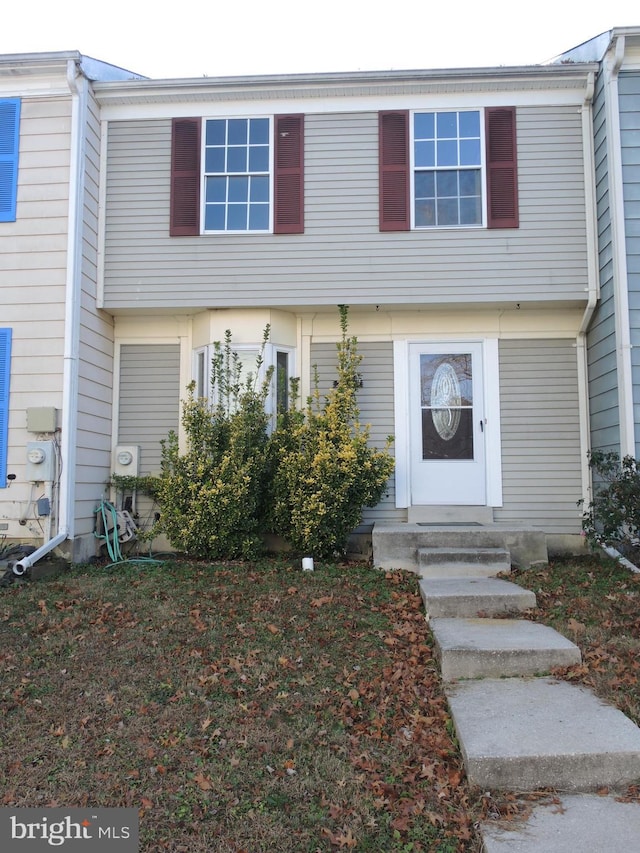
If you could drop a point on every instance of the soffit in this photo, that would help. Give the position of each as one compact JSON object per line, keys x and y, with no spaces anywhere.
{"x":362,"y":85}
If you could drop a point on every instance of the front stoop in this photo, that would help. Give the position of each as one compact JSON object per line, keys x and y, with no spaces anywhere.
{"x":526,"y":734}
{"x":397,"y":546}
{"x":495,"y":648}
{"x":577,"y":824}
{"x":463,"y":597}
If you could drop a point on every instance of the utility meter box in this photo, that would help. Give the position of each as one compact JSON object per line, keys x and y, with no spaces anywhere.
{"x":126,"y":460}
{"x":42,"y":419}
{"x":41,"y":462}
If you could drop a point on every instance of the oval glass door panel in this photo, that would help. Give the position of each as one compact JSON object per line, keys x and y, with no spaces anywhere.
{"x":446,"y":395}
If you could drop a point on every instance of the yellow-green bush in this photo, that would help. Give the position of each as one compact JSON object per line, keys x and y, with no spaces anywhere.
{"x":212,"y":496}
{"x":325,"y":470}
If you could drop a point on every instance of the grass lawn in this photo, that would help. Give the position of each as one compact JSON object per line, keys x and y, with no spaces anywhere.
{"x":257,"y":708}
{"x":238,"y":707}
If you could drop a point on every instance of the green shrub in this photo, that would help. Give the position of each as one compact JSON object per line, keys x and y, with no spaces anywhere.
{"x":325,"y":472}
{"x":613,"y":516}
{"x":307,"y":482}
{"x":212,"y":496}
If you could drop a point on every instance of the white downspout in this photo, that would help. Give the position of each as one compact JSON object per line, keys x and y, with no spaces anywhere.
{"x":593,"y":291}
{"x":619,"y":256}
{"x":66,"y":514}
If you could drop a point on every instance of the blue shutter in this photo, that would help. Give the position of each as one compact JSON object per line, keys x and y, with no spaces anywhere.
{"x":5,"y":372}
{"x":9,"y":140}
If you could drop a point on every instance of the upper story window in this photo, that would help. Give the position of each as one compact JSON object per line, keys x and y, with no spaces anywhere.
{"x":237,"y":174}
{"x":9,"y":143}
{"x":251,"y":178}
{"x":447,"y":169}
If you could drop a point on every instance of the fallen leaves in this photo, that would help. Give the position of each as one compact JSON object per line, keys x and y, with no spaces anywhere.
{"x":322,"y":600}
{"x":203,"y":782}
{"x":222,"y":701}
{"x":595,"y":603}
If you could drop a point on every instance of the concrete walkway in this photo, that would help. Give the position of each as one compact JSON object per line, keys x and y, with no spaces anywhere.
{"x":518,"y":728}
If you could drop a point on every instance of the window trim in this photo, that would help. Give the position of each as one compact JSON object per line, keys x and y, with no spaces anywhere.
{"x":290,"y":351}
{"x":9,"y":154}
{"x":202,"y":358}
{"x":204,"y":175}
{"x":413,"y":169}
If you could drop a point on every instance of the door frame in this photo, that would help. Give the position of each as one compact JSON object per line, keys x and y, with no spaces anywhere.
{"x":491,"y":391}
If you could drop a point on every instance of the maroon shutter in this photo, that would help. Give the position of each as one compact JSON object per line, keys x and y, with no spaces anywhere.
{"x":393,"y":132}
{"x":288,"y":217}
{"x":502,"y":171}
{"x":185,"y":177}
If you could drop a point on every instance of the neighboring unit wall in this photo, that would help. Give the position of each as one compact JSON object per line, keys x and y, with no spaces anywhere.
{"x":541,"y":455}
{"x":603,"y":378}
{"x":33,"y":263}
{"x":629,"y":99}
{"x":342,"y":256}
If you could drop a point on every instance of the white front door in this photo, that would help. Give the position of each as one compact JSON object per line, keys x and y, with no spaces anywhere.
{"x":446,"y":424}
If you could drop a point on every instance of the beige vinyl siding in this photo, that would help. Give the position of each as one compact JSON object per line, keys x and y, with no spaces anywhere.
{"x":149,"y":399}
{"x":540,"y":435}
{"x":33,"y":259}
{"x":95,"y":380}
{"x":342,"y":256}
{"x":375,"y":400}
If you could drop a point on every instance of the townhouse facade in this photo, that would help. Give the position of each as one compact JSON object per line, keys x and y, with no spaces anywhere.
{"x":452,"y":211}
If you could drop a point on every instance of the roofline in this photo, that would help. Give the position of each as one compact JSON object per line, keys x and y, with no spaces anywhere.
{"x":161,"y":89}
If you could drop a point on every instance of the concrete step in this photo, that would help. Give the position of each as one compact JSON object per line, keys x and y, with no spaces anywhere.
{"x":525,"y":734}
{"x":463,"y":562}
{"x":461,"y":597}
{"x":495,"y":648}
{"x":578,"y":823}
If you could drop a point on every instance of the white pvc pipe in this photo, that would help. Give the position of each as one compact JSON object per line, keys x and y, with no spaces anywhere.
{"x":593,"y":289}
{"x":25,"y":563}
{"x":72,"y":300}
{"x":622,"y":560}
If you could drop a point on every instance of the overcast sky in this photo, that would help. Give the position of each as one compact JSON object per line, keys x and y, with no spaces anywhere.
{"x":230,"y":37}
